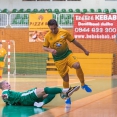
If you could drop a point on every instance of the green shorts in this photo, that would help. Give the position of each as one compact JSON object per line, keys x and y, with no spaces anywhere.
{"x":28,"y":98}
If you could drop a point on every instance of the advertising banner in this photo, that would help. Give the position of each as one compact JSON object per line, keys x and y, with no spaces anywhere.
{"x":38,"y":26}
{"x":95,"y":26}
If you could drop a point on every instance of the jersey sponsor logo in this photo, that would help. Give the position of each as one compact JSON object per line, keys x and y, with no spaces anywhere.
{"x":58,"y":44}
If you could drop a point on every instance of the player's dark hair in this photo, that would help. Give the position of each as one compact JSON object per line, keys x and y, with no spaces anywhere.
{"x":52,"y":22}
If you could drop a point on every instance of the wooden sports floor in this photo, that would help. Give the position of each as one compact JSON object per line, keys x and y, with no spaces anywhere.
{"x":102,"y":102}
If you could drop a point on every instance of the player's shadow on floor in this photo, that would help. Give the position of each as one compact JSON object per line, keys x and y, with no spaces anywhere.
{"x":21,"y":111}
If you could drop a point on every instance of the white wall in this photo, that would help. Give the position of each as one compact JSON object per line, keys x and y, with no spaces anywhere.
{"x":11,"y":4}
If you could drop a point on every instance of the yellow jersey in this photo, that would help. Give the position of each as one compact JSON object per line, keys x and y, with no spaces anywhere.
{"x":2,"y":54}
{"x":59,"y":43}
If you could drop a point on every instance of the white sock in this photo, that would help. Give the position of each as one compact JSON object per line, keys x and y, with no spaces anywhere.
{"x":65,"y":90}
{"x":40,"y":104}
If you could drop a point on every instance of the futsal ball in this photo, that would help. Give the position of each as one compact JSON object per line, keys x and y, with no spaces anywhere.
{"x":63,"y":95}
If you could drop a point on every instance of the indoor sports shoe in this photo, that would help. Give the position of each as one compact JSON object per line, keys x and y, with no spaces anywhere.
{"x":86,"y":88}
{"x":72,"y":90}
{"x":68,"y":101}
{"x":38,"y":104}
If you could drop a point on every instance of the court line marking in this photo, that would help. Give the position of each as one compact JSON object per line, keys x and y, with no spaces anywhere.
{"x":70,"y":83}
{"x":105,"y":95}
{"x":87,"y":104}
{"x":77,"y":82}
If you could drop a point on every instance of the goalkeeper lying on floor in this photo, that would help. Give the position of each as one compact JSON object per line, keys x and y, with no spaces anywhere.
{"x":33,"y":97}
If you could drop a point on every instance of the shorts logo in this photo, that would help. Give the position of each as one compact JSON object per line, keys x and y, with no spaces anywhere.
{"x":74,"y":57}
{"x":50,"y":38}
{"x":27,"y":93}
{"x":62,"y":37}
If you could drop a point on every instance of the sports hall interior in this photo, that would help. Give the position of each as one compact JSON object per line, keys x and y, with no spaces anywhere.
{"x":32,"y":67}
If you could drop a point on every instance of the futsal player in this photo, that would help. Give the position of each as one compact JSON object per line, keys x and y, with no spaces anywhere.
{"x":3,"y":56}
{"x":56,"y":43}
{"x":34,"y":97}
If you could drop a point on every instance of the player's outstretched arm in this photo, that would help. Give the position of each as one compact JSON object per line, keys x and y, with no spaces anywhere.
{"x":53,"y":51}
{"x":81,"y":47}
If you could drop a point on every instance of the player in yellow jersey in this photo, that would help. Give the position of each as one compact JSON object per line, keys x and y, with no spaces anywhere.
{"x":3,"y":56}
{"x":56,"y":43}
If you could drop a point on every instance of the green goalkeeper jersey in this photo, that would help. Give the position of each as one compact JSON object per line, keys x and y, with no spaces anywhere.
{"x":13,"y":97}
{"x":26,"y":98}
